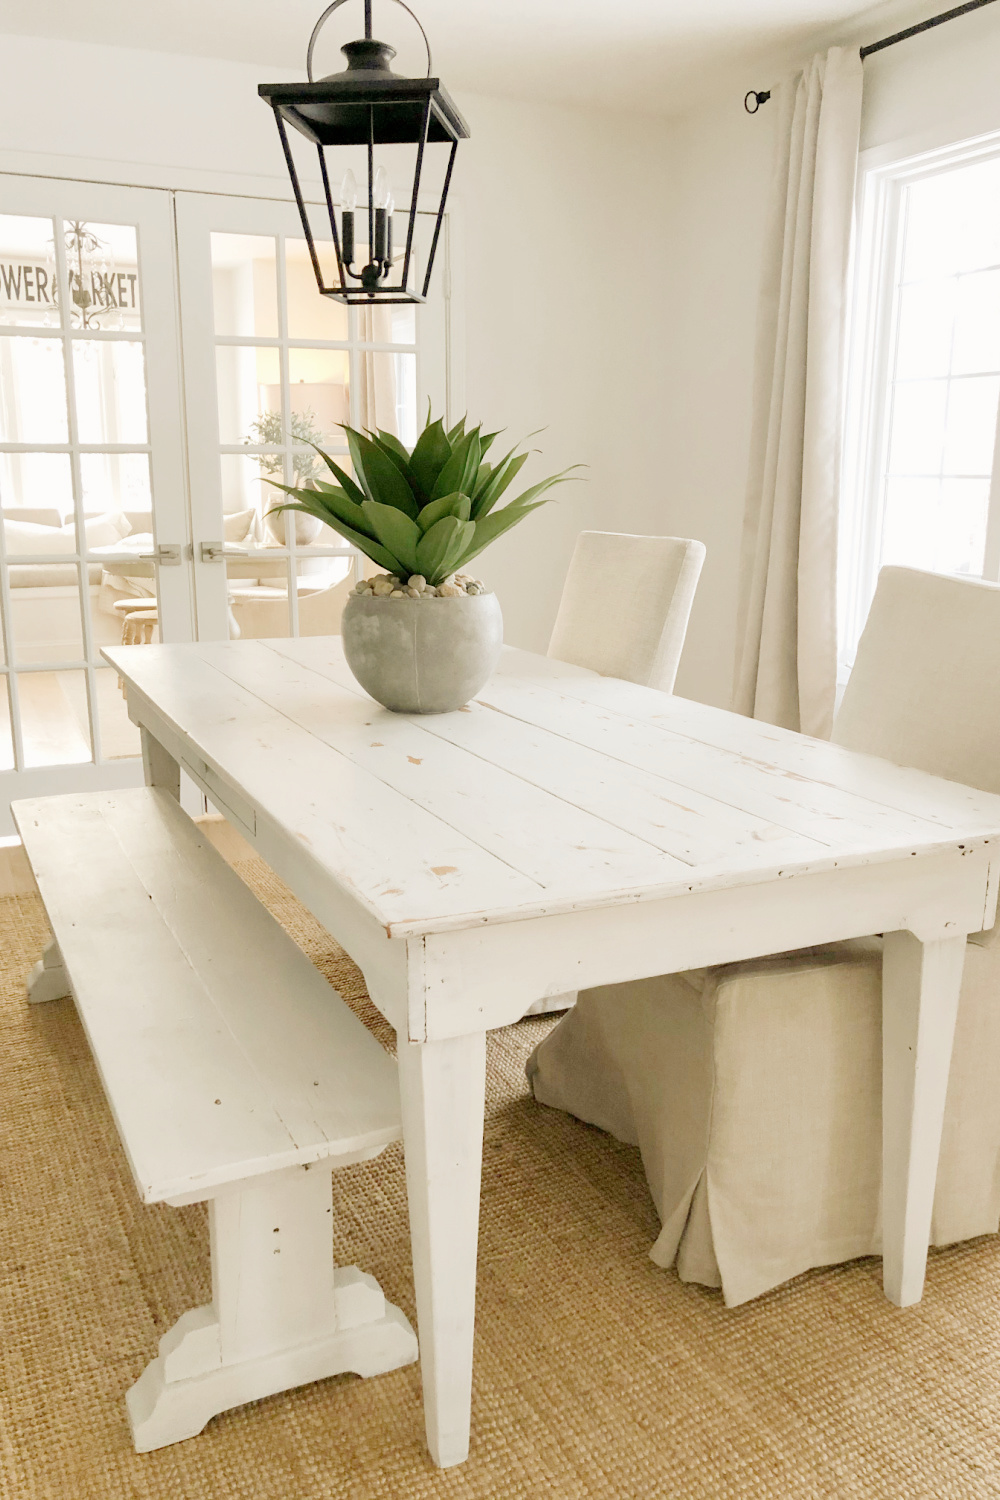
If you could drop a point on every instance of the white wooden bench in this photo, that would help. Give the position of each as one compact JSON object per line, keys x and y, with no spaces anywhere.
{"x":235,"y":1074}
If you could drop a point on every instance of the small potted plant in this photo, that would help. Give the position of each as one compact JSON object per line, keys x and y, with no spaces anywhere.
{"x":267,"y":431}
{"x":423,"y":636}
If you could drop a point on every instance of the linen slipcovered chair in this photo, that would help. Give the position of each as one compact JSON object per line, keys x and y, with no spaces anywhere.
{"x":635,"y":632}
{"x":754,"y":1089}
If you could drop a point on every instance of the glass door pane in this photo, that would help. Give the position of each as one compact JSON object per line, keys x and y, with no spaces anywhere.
{"x":90,"y":477}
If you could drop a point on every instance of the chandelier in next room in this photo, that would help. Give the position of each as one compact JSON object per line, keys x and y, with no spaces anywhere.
{"x":370,"y":107}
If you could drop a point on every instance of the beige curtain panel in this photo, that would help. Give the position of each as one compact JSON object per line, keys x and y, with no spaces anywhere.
{"x":787,"y":664}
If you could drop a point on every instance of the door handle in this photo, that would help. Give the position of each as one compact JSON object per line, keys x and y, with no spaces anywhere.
{"x":167,"y":554}
{"x":212,"y":552}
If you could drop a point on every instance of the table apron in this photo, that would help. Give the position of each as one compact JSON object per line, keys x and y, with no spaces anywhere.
{"x":485,"y":977}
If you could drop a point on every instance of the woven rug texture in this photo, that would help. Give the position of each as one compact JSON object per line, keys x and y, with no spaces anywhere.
{"x":597,"y":1374}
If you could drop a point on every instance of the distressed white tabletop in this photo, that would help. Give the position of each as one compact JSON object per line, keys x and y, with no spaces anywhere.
{"x":562,"y":831}
{"x":555,"y":790}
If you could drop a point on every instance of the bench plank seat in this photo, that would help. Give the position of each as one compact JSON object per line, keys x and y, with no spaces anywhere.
{"x":235,"y":1074}
{"x":223,"y":1052}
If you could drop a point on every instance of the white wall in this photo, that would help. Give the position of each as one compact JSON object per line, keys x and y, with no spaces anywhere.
{"x":547,"y":207}
{"x":116,"y":105}
{"x":717,"y":190}
{"x":546,"y":344}
{"x":935,"y":88}
{"x":611,"y":275}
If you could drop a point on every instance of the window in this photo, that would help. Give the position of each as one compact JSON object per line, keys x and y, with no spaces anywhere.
{"x":924,"y":378}
{"x":291,"y":367}
{"x":272,"y":370}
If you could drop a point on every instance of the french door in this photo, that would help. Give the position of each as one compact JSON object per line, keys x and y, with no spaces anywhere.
{"x":92,"y":473}
{"x":163,"y":358}
{"x":273,"y":369}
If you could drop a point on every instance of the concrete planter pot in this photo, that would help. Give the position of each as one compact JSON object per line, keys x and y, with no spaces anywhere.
{"x":422,"y":656}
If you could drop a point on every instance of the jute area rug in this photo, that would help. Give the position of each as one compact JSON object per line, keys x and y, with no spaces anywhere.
{"x":596,"y":1373}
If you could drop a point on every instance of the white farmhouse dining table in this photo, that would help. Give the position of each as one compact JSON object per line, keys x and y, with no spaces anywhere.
{"x":567,"y":830}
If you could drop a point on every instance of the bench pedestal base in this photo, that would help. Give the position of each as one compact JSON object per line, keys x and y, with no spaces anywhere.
{"x":163,"y":1411}
{"x":281,"y":1315}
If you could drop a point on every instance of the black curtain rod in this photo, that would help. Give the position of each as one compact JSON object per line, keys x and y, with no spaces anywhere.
{"x":902,"y":36}
{"x":762,"y":97}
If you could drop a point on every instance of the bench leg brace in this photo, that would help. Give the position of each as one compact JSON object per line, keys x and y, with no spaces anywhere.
{"x":47,"y":980}
{"x":281,"y":1314}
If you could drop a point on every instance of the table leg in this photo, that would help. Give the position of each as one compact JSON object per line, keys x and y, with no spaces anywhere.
{"x":442,"y":1091}
{"x":159,"y":767}
{"x":920,"y":990}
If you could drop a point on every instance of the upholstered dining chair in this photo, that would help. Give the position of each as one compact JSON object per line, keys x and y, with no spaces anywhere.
{"x":636,"y":631}
{"x":754,"y":1090}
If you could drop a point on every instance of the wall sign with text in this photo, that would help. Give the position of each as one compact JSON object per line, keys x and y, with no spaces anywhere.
{"x":32,"y":285}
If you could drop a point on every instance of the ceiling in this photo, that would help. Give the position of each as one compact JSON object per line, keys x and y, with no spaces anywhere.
{"x":654,"y":55}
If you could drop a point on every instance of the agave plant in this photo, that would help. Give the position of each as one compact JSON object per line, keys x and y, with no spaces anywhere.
{"x":426,"y":511}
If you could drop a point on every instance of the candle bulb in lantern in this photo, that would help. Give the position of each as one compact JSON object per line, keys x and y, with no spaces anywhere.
{"x":381,"y":199}
{"x":348,"y":203}
{"x":388,"y":237}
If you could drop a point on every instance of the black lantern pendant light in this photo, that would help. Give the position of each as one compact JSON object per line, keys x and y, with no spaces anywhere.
{"x":367,"y":105}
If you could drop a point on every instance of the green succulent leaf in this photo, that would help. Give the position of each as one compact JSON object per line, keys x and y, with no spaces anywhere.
{"x":449,"y":505}
{"x":489,"y":527}
{"x":396,"y":531}
{"x":445,"y":539}
{"x":390,"y":442}
{"x":429,"y":457}
{"x":428,"y":511}
{"x":354,"y":490}
{"x":473,"y":460}
{"x":327,"y":499}
{"x":503,"y":475}
{"x":563,"y":477}
{"x":365,"y":544}
{"x":492,"y":526}
{"x":460,"y":548}
{"x":379,"y":474}
{"x":395,"y":454}
{"x":460,"y":471}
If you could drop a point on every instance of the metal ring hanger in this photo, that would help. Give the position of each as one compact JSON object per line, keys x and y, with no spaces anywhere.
{"x":368,"y":25}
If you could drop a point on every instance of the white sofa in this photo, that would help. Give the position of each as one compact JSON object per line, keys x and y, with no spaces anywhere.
{"x":45,"y":610}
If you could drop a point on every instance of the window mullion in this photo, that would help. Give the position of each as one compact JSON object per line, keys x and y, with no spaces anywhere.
{"x":77,"y":476}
